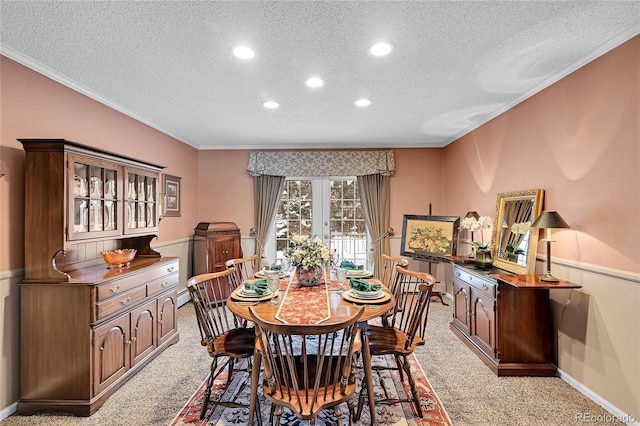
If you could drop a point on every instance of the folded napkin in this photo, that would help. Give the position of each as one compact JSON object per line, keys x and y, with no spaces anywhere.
{"x":363,"y":285}
{"x":273,"y":268}
{"x":259,"y":286}
{"x":350,"y":265}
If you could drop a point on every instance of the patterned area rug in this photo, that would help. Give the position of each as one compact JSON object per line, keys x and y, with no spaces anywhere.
{"x":397,"y":414}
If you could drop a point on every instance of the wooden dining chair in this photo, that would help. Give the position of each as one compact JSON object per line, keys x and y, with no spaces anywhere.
{"x":389,"y":273}
{"x":389,"y":276}
{"x":307,"y":368}
{"x":243,"y":270}
{"x":220,"y":331}
{"x":405,"y":329}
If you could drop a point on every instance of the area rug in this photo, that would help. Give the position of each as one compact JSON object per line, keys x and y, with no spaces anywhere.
{"x":396,"y":415}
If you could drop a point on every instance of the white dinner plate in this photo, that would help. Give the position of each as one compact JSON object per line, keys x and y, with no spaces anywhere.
{"x":262,"y":274}
{"x":248,"y":293}
{"x":355,"y":273}
{"x":368,"y":295}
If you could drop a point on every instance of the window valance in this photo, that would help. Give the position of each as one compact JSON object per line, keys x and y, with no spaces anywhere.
{"x":321,"y":163}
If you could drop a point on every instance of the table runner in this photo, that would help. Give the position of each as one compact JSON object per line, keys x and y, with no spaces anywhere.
{"x":308,"y":305}
{"x":304,"y":305}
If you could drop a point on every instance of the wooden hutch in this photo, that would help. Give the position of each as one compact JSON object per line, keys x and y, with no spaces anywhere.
{"x":86,"y":329}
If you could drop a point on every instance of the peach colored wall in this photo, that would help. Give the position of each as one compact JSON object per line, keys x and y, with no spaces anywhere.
{"x":34,"y":106}
{"x":226,"y":188}
{"x":579,"y":140}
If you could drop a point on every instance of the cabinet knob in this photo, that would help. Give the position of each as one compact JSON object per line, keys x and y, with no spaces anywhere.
{"x":170,"y":269}
{"x":126,"y":301}
{"x":485,"y":287}
{"x":164,"y":284}
{"x":115,"y":290}
{"x":458,"y":274}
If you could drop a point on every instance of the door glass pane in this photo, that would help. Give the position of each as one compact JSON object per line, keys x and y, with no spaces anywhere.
{"x":348,"y":231}
{"x":295,"y":214}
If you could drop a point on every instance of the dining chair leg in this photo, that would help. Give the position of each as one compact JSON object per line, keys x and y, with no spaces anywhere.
{"x":207,"y":391}
{"x":279,"y":410}
{"x":399,"y":366}
{"x":412,"y":384}
{"x":368,"y":375}
{"x":230,"y":375}
{"x":254,"y":404}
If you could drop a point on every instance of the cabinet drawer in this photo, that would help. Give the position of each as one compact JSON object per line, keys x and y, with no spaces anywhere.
{"x":119,"y":287}
{"x":162,"y":284}
{"x":484,"y":285}
{"x":121,"y":301}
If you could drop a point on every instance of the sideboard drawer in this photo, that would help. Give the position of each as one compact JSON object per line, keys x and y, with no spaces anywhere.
{"x":122,"y":301}
{"x":482,"y":284}
{"x":162,"y":284}
{"x":118,"y":287}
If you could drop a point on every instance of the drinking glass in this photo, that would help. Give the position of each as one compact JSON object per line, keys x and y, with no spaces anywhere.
{"x":341,"y":275}
{"x":273,"y":284}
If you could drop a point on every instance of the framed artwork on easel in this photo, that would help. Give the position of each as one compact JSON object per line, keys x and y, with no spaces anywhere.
{"x":429,"y":237}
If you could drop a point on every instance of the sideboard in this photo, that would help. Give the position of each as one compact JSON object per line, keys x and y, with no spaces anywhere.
{"x":505,"y":319}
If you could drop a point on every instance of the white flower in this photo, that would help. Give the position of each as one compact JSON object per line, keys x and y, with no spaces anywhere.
{"x":485,"y":222}
{"x":309,"y":252}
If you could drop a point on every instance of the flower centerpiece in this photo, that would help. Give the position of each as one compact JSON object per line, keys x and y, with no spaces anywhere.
{"x":482,"y":252}
{"x":309,"y":256}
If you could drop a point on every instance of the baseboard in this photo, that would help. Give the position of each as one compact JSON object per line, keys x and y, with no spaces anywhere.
{"x":616,"y":413}
{"x":183,"y":297}
{"x":6,"y":412}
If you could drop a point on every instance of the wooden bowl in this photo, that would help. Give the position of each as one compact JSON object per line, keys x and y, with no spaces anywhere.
{"x":118,"y":258}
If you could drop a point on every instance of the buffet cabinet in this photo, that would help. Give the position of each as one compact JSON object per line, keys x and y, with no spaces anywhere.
{"x":213,"y":244}
{"x":85,"y":328}
{"x":505,"y":319}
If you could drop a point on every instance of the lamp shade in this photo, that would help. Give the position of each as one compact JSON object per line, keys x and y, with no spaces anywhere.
{"x":473,"y":214}
{"x":548,"y":220}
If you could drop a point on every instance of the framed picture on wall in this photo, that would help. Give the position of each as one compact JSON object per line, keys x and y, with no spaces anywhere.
{"x":429,"y":237}
{"x":171,"y":195}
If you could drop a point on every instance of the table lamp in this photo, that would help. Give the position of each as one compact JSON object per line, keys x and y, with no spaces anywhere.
{"x":549,"y":220}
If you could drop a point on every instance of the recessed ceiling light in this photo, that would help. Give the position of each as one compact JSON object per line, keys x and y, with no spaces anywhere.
{"x":362,"y":102}
{"x":381,"y":49}
{"x":270,"y":104}
{"x":243,"y":52}
{"x":314,"y":82}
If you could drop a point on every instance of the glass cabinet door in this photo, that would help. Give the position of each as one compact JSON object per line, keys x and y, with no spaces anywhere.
{"x":141,"y":205}
{"x":94,"y":198}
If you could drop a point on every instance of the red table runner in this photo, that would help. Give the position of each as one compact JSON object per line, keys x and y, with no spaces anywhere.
{"x":308,"y":305}
{"x":304,"y":305}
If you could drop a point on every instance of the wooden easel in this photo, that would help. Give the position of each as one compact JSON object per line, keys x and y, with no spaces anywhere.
{"x":431,"y":261}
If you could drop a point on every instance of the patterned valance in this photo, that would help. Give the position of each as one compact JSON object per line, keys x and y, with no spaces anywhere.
{"x":321,"y":163}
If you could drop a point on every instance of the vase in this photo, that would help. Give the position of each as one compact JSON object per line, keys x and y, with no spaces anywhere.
{"x":483,"y":259}
{"x":309,"y":277}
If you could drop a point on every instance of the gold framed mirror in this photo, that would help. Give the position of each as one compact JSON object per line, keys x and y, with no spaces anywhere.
{"x":513,"y":245}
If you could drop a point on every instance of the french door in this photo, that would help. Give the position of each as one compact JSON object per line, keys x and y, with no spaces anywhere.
{"x":327,"y":207}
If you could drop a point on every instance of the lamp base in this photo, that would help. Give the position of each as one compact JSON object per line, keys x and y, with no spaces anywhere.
{"x":548,"y":278}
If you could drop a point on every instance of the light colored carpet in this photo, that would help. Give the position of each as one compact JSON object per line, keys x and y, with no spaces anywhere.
{"x":469,"y":391}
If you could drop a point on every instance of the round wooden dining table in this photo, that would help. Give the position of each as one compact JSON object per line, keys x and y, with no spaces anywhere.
{"x":339,"y":309}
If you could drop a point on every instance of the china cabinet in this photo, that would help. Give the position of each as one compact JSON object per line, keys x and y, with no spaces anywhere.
{"x":86,"y":329}
{"x":505,"y":319}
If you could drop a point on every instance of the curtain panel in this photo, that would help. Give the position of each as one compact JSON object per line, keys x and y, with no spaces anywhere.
{"x":321,"y":163}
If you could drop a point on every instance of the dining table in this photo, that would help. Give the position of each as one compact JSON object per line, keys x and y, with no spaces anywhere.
{"x":325,"y":303}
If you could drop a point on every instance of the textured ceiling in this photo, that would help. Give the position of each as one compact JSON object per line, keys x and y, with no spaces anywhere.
{"x":456,"y":64}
